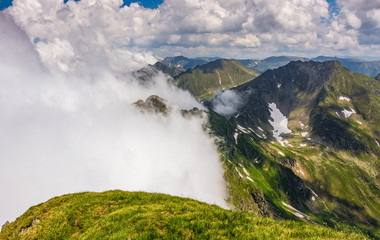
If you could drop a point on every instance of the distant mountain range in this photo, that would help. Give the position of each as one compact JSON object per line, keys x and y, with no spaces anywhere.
{"x":187,"y":63}
{"x":369,"y":68}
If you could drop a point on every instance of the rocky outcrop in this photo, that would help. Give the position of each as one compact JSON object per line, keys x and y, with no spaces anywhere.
{"x":258,"y":196}
{"x":153,"y":104}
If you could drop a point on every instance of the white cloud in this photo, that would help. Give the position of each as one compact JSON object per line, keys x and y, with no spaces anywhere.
{"x":374,"y":15}
{"x":68,"y":123}
{"x":266,"y":27}
{"x":227,"y":103}
{"x":248,"y":40}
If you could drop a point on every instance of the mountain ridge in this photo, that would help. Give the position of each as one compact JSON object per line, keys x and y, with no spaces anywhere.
{"x":202,"y":81}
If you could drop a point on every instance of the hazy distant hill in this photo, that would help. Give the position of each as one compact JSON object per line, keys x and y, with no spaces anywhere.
{"x":186,"y":63}
{"x":369,"y":68}
{"x":270,"y":62}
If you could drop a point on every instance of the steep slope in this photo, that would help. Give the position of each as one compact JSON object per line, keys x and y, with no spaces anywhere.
{"x":307,"y":135}
{"x":203,"y":81}
{"x":378,"y":77}
{"x":302,"y":88}
{"x":122,"y":215}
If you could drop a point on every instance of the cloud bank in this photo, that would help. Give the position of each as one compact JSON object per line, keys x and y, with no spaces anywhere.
{"x":236,"y":28}
{"x":68,"y":124}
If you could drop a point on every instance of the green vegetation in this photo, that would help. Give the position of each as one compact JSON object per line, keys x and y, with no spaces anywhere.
{"x":203,"y":81}
{"x":329,"y":170}
{"x":138,"y":215}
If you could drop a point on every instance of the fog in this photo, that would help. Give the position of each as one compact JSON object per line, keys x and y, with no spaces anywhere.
{"x":227,"y":102}
{"x":68,"y":125}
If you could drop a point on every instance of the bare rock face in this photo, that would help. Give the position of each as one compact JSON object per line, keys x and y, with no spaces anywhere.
{"x":5,"y":224}
{"x":194,"y":112}
{"x":378,"y":77}
{"x":153,"y":104}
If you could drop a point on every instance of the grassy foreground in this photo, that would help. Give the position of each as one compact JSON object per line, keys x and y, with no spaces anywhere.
{"x":138,"y":215}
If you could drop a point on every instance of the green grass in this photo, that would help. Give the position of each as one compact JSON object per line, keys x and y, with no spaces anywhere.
{"x":138,"y":215}
{"x":345,"y":181}
{"x":203,"y":81}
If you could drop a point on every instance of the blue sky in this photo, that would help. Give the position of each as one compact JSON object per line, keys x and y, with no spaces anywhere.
{"x":146,"y":3}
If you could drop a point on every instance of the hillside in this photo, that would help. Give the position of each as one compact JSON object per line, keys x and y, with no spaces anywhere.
{"x":203,"y":81}
{"x":122,"y":215}
{"x":307,"y":135}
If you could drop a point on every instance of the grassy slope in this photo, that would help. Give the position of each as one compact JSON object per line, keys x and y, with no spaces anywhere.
{"x":203,"y":81}
{"x":137,"y":215}
{"x":338,"y":204}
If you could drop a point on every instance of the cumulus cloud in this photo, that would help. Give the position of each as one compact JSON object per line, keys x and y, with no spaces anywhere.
{"x":234,"y":28}
{"x":68,"y":123}
{"x":227,"y":103}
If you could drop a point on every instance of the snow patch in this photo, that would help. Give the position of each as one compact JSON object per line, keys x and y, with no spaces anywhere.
{"x":279,"y":123}
{"x":295,"y":211}
{"x":341,"y":98}
{"x":279,"y":85}
{"x":377,"y":143}
{"x":302,"y":125}
{"x":236,"y":134}
{"x":250,"y":179}
{"x":348,"y":113}
{"x":260,"y":129}
{"x":237,"y":170}
{"x":359,"y":122}
{"x":304,"y":134}
{"x":245,"y":171}
{"x":244,"y":130}
{"x":281,"y":153}
{"x":313,"y":193}
{"x":257,"y":133}
{"x":313,"y":198}
{"x":303,"y":145}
